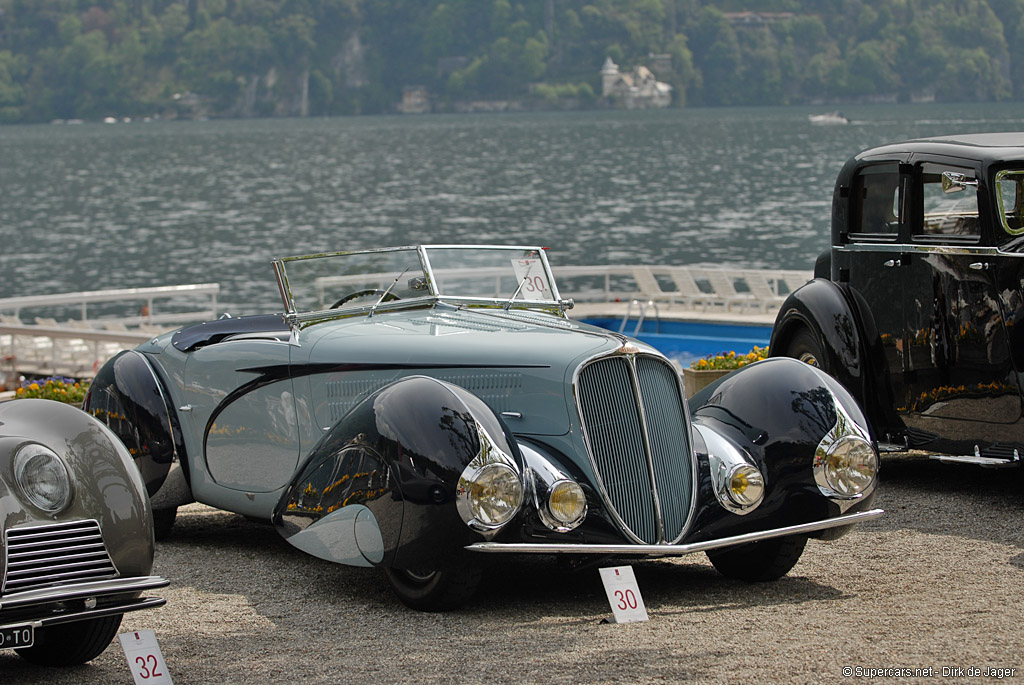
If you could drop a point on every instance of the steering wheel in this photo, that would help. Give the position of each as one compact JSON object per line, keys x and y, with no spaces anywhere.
{"x":389,"y":297}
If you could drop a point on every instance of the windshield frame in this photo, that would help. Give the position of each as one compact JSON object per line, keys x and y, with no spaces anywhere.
{"x":433,"y":295}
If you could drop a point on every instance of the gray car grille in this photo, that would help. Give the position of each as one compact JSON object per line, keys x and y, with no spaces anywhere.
{"x":53,"y":555}
{"x":635,"y":426}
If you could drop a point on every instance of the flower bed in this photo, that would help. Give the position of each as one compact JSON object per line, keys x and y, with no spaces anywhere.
{"x":54,"y":388}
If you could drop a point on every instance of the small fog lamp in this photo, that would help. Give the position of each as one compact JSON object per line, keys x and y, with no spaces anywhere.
{"x":850,"y":466}
{"x":42,"y":477}
{"x":746,"y":485}
{"x":567,"y":504}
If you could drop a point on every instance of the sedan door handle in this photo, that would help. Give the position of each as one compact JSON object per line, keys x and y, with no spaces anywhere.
{"x":978,"y":266}
{"x":892,"y":262}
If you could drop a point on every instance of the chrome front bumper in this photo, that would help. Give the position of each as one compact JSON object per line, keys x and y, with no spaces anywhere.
{"x":83,"y":592}
{"x":673,"y":550}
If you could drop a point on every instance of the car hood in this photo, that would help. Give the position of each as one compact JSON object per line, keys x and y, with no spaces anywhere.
{"x":520,"y":363}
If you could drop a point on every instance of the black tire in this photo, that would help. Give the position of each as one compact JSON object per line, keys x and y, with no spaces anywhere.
{"x":70,"y":644}
{"x":163,"y":521}
{"x":435,"y":590}
{"x":805,"y":347}
{"x":759,"y":561}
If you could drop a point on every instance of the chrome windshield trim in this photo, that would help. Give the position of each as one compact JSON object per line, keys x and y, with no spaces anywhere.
{"x":673,"y":550}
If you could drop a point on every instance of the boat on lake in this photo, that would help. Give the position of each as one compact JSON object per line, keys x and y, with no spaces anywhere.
{"x":829,"y":119}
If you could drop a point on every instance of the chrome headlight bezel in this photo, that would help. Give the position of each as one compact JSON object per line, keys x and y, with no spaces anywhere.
{"x":42,"y":477}
{"x":834,"y":473}
{"x":490,"y":491}
{"x":846,"y":468}
{"x":727,"y":463}
{"x":560,"y":523}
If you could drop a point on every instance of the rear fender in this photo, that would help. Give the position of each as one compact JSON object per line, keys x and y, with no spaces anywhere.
{"x":842,"y":323}
{"x":380,"y":488}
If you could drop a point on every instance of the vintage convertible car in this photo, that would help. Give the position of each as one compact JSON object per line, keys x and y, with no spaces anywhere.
{"x":419,"y":408}
{"x":77,"y":534}
{"x":915,"y":306}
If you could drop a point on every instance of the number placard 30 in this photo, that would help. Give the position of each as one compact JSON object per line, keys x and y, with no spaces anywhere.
{"x":623,"y":594}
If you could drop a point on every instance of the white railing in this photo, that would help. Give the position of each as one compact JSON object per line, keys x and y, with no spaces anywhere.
{"x":76,"y":347}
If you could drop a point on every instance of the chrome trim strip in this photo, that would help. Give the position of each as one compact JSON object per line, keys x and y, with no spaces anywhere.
{"x":62,"y":593}
{"x":673,"y":550}
{"x":924,"y":248}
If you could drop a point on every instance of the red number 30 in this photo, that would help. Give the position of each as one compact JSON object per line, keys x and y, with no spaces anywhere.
{"x":627,"y":600}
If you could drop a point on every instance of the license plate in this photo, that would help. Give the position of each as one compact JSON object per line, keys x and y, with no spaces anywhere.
{"x":15,"y":637}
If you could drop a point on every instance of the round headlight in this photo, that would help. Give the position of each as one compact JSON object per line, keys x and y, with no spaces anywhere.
{"x":493,"y":494}
{"x":42,"y":477}
{"x":567,"y":504}
{"x":850,"y":466}
{"x":746,"y":485}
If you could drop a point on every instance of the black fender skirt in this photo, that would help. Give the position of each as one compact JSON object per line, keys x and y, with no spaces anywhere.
{"x":128,"y":397}
{"x":379,"y":488}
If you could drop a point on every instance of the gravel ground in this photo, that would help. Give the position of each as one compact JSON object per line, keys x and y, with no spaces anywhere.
{"x":936,"y":583}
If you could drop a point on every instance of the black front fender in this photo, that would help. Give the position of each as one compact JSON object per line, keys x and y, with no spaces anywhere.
{"x":778,"y":412}
{"x":380,"y":488}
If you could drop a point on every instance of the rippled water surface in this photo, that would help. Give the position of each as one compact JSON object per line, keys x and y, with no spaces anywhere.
{"x":111,"y":206}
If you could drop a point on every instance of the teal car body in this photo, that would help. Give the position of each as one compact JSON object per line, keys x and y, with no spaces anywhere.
{"x":419,"y":408}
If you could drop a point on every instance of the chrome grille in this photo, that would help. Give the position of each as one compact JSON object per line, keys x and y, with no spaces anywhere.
{"x":53,"y":555}
{"x":635,"y":426}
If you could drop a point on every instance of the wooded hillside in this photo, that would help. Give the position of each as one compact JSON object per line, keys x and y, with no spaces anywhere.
{"x":89,"y":59}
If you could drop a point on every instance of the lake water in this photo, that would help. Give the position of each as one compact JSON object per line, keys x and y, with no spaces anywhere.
{"x":111,"y":206}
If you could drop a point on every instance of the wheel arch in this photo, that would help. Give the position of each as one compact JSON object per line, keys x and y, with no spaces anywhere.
{"x":840,"y":321}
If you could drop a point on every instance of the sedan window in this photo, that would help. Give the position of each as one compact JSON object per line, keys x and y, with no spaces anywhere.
{"x":950,"y":208}
{"x":877,"y":202}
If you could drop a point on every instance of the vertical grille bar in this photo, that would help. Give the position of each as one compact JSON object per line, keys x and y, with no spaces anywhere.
{"x":615,"y":420}
{"x":611,"y":418}
{"x":666,"y":426}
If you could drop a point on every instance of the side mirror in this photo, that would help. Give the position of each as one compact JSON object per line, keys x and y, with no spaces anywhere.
{"x":954,"y":182}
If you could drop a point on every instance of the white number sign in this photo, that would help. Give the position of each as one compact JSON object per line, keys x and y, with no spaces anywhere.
{"x":530,"y":273}
{"x":623,"y":594}
{"x":144,"y":658}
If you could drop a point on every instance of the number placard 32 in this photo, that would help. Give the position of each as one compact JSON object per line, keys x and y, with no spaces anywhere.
{"x":144,"y":658}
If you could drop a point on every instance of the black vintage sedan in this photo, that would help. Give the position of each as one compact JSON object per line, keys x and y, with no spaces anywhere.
{"x":915,"y":306}
{"x":76,"y":534}
{"x":421,"y":409}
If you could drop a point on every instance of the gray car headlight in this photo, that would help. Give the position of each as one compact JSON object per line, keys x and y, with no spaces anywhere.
{"x":42,"y":477}
{"x":848,"y":466}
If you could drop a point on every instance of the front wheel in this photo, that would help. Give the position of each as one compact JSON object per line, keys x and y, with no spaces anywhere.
{"x":435,"y":590}
{"x":759,"y":561}
{"x":70,"y":644}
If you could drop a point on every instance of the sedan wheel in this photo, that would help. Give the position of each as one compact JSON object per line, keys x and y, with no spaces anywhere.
{"x":759,"y":561}
{"x":70,"y":644}
{"x":804,"y":347}
{"x":434,"y":590}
